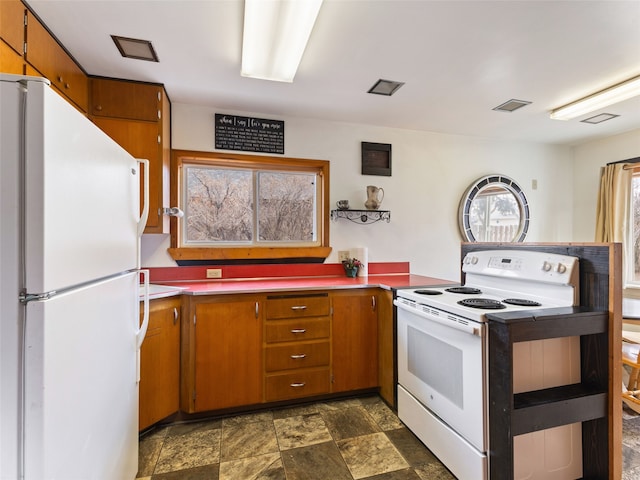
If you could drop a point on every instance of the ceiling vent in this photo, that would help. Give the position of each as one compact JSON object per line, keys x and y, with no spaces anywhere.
{"x":134,"y":48}
{"x":603,"y":117}
{"x":385,"y":87}
{"x":511,"y":105}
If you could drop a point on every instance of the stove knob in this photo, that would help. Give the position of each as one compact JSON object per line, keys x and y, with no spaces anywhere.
{"x":546,"y":266}
{"x":561,"y":268}
{"x":474,"y":260}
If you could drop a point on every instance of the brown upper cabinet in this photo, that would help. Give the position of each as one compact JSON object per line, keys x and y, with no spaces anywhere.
{"x":137,"y":116}
{"x":130,"y":100}
{"x":47,"y":56}
{"x":12,"y":18}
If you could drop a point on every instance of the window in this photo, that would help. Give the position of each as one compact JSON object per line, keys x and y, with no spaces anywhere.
{"x":249,"y":207}
{"x":634,"y":234}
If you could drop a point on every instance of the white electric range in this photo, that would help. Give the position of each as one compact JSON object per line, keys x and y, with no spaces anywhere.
{"x":442,"y":361}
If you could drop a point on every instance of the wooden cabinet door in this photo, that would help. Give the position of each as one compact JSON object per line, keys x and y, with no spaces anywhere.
{"x":46,"y":55}
{"x":137,"y":116}
{"x":160,"y":363}
{"x":228,"y":354}
{"x":10,"y":61}
{"x":140,"y":139}
{"x":354,"y":340}
{"x":123,"y":99}
{"x":12,"y":14}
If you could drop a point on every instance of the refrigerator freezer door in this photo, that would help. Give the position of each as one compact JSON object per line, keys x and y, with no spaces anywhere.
{"x":81,"y":395}
{"x":82,"y":197}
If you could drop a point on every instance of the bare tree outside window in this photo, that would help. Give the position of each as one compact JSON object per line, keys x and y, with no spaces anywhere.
{"x":286,"y":207}
{"x":219,"y":205}
{"x":220,"y":202}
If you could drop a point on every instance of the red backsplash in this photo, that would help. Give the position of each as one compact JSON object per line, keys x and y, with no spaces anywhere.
{"x":173,"y":274}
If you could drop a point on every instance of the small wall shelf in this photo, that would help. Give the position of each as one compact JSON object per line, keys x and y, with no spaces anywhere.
{"x":362,"y":216}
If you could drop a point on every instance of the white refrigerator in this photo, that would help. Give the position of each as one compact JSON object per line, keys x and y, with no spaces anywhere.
{"x":69,"y":307}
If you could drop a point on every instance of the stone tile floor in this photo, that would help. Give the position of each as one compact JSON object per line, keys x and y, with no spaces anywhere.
{"x":338,"y":440}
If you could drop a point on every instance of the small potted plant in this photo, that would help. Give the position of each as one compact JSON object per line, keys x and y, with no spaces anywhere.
{"x":351,"y":266}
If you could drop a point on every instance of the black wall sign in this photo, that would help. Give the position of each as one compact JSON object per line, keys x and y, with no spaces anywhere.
{"x":249,"y":134}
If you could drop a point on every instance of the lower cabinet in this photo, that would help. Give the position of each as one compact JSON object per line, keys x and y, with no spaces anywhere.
{"x":245,"y":349}
{"x":160,"y":363}
{"x":354,"y":339}
{"x":222,"y":352}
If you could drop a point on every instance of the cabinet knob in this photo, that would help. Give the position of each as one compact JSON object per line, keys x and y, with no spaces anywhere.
{"x":98,"y":108}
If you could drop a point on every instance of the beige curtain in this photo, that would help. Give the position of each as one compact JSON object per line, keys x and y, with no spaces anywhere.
{"x":613,"y":215}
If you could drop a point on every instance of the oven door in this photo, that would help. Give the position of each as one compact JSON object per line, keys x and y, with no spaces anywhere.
{"x":442,"y":364}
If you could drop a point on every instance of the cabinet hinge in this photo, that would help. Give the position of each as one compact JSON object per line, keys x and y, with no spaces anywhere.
{"x":25,"y":19}
{"x":24,"y":48}
{"x":331,"y":378}
{"x":331,"y":310}
{"x":159,"y":139}
{"x":193,"y":396}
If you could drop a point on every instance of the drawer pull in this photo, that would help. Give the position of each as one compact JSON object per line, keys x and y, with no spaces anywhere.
{"x":295,"y":385}
{"x":175,"y":315}
{"x":299,"y":307}
{"x":299,"y":356}
{"x":298,"y":330}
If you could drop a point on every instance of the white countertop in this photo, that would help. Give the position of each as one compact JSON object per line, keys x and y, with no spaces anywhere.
{"x":161,"y":291}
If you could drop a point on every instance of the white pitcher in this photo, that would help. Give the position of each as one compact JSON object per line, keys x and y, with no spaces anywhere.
{"x":374,"y":197}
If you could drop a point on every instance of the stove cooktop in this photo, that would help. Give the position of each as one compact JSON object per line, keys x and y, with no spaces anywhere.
{"x":473,"y":302}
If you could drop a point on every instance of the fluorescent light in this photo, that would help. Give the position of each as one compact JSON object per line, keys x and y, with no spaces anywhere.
{"x":617,"y":93}
{"x":275,"y":36}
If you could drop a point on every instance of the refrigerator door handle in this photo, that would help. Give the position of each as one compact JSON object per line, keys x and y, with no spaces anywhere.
{"x":145,"y":317}
{"x":144,"y":216}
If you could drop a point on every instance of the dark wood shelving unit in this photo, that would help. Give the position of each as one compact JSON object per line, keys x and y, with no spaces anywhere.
{"x":596,"y":401}
{"x":586,"y":402}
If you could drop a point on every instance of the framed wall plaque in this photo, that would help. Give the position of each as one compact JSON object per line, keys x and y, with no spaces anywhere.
{"x":376,"y":159}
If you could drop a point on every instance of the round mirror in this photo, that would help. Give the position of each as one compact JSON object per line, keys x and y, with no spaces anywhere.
{"x":494,"y":209}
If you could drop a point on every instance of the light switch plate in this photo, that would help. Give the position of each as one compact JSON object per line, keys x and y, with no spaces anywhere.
{"x":343,"y":255}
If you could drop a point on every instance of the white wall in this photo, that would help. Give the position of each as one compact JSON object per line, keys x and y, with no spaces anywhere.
{"x":430,"y":173}
{"x":588,"y":159}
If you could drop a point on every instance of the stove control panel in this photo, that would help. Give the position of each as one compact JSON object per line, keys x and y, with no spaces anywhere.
{"x":521,"y":264}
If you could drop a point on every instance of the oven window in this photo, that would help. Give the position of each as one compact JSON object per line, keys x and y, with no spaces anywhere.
{"x":436,"y":363}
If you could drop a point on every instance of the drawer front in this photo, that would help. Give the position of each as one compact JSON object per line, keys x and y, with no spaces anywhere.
{"x":299,"y":329}
{"x":297,"y":355}
{"x":297,"y":384}
{"x":297,"y":306}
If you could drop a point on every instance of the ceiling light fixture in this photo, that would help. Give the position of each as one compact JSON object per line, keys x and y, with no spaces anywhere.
{"x":275,"y":35}
{"x":134,"y":48}
{"x":614,"y":94}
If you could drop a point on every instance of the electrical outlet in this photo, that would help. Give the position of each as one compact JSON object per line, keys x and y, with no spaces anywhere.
{"x":214,"y":273}
{"x":343,"y":255}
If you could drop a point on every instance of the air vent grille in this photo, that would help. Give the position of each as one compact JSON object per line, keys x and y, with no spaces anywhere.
{"x":511,"y":105}
{"x":603,"y":117}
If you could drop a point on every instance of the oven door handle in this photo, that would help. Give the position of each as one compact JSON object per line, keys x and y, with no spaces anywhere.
{"x":471,"y":330}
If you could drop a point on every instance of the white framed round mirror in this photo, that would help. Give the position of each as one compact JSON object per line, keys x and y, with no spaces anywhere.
{"x":494,"y":209}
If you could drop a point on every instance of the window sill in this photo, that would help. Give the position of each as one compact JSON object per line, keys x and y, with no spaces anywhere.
{"x":250,"y":254}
